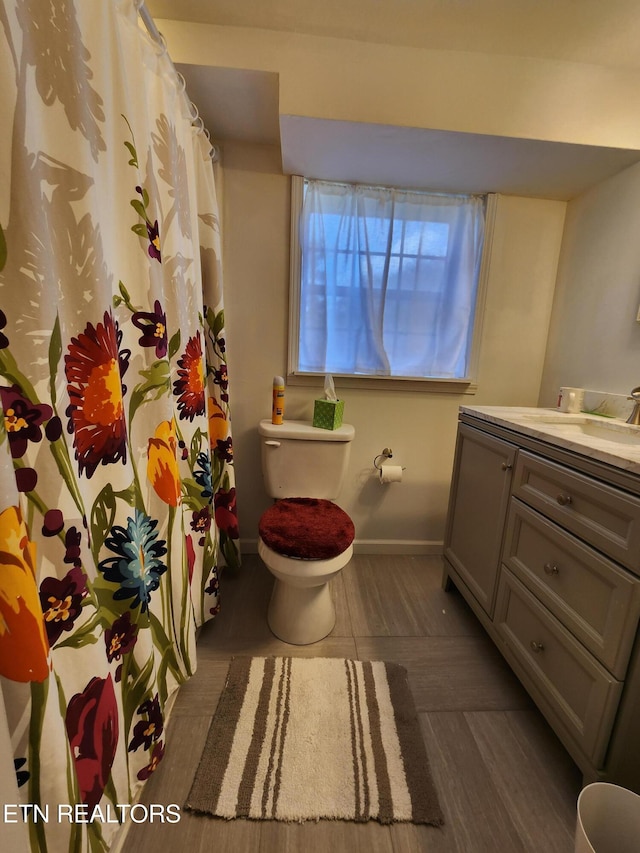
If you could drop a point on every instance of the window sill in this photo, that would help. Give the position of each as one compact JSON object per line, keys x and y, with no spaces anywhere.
{"x":387,"y":383}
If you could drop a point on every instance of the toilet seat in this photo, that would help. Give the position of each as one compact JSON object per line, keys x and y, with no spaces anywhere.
{"x":306,"y":528}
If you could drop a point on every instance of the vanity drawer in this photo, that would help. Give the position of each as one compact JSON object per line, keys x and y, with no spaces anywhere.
{"x":594,"y":598}
{"x":583,"y":695}
{"x":605,"y":517}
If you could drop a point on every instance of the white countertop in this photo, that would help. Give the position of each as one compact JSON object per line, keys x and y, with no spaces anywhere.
{"x":608,"y":440}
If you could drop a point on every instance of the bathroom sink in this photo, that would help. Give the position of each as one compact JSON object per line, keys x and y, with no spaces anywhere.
{"x":577,"y":426}
{"x":616,"y":433}
{"x":554,"y":418}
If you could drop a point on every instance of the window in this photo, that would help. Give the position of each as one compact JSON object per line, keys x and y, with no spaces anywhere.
{"x":385,"y":281}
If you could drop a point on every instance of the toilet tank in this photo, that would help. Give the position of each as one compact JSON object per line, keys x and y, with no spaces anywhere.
{"x":303,"y":461}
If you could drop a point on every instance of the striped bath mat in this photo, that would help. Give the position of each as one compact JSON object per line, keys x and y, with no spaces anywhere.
{"x":298,"y":739}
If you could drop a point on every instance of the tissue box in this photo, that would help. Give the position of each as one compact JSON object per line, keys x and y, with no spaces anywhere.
{"x":327,"y":414}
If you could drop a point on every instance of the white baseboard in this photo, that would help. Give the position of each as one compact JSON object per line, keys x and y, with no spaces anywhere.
{"x":374,"y":546}
{"x":398,"y":546}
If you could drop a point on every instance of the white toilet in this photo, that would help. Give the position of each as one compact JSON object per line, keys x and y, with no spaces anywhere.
{"x":304,"y":538}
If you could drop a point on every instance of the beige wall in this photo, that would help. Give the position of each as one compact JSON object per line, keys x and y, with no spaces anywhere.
{"x":419,"y":426}
{"x":502,"y":95}
{"x":594,"y":338}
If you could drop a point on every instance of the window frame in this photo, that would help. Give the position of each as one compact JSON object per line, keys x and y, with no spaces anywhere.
{"x":465,"y":385}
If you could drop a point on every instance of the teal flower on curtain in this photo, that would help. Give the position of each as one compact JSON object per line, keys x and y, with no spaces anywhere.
{"x":190,"y":385}
{"x":138,"y":566}
{"x":92,"y":728}
{"x":94,"y":367}
{"x":202,"y":474}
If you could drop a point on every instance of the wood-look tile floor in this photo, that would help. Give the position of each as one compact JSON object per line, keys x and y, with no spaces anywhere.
{"x":505,"y":782}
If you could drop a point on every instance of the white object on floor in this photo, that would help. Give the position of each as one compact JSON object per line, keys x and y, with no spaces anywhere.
{"x":608,"y":820}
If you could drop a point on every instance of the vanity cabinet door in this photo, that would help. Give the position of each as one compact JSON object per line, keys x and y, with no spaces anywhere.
{"x":579,"y":690}
{"x":477,"y":510}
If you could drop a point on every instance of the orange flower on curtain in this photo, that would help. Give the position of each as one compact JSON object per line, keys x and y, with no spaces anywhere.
{"x":23,"y":641}
{"x":162,"y":468}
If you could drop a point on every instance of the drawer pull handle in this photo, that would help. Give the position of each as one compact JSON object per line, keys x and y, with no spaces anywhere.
{"x":564,"y":500}
{"x":506,"y":467}
{"x":551,"y":569}
{"x":537,"y":647}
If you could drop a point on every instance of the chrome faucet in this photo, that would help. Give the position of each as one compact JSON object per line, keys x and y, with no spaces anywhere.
{"x":634,"y":417}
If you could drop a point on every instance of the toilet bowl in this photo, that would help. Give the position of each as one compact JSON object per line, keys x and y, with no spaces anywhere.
{"x":304,"y":541}
{"x":317,"y":538}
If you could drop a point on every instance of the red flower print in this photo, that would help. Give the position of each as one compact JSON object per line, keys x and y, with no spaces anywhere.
{"x":92,"y":728}
{"x":53,"y":522}
{"x":226,"y":514}
{"x":190,"y":385}
{"x":72,"y":541}
{"x":61,"y":602}
{"x":221,"y":378}
{"x":224,"y":449}
{"x":156,"y":757}
{"x":121,"y":637}
{"x":154,"y":329}
{"x":22,"y":419}
{"x":213,"y":587}
{"x":53,"y":429}
{"x":201,"y":520}
{"x":146,"y":731}
{"x":94,"y":367}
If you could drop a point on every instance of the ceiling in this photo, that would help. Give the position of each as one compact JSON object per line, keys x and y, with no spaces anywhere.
{"x":243,"y":105}
{"x":601,"y":32}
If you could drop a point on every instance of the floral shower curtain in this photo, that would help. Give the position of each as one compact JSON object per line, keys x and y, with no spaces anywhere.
{"x":117,"y":498}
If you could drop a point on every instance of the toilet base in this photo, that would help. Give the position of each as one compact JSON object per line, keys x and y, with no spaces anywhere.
{"x":301,"y":615}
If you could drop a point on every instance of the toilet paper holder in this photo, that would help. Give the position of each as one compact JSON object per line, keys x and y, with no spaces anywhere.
{"x":387,"y":453}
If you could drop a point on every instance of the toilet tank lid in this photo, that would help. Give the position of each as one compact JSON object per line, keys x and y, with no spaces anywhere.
{"x":305,"y":430}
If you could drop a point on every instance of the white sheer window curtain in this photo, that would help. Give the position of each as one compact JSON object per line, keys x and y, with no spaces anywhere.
{"x":388,"y":281}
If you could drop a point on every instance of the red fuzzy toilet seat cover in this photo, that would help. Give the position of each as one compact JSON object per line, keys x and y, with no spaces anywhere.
{"x":307,"y":528}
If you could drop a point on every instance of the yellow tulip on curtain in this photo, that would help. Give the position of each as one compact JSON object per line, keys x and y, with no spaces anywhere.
{"x":117,"y":497}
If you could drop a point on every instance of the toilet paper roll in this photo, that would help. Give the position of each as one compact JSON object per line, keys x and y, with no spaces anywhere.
{"x":390,"y":473}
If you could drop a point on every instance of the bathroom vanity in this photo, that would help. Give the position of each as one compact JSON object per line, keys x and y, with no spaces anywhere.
{"x":543,"y":542}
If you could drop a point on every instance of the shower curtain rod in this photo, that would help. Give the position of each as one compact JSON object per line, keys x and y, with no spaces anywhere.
{"x":157,"y":37}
